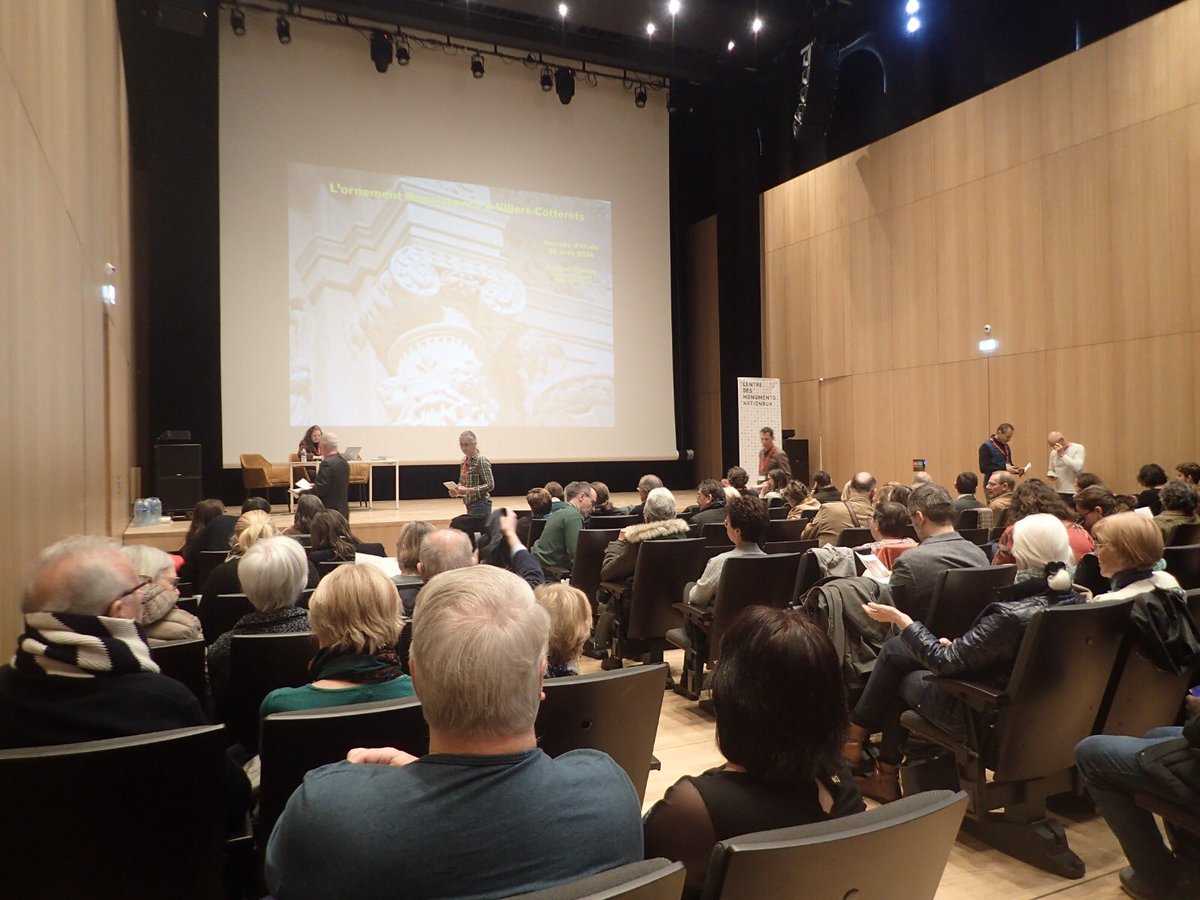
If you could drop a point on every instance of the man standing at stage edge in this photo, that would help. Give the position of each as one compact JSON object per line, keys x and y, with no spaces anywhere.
{"x":474,"y":487}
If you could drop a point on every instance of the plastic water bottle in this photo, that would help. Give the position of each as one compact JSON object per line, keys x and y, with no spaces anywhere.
{"x":140,"y":512}
{"x":303,"y":454}
{"x":155,"y":511}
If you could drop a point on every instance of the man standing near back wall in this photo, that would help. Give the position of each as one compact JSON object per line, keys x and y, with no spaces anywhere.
{"x":1066,"y":462}
{"x":995,"y":454}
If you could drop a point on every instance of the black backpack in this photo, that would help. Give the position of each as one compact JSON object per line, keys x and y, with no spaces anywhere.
{"x":1164,"y":630}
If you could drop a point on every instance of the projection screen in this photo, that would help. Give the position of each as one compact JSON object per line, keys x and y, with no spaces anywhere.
{"x":408,"y":255}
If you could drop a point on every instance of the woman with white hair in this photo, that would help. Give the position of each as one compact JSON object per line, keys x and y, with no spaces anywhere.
{"x":356,"y":616}
{"x":273,"y":574}
{"x":986,"y":653}
{"x":162,"y":620}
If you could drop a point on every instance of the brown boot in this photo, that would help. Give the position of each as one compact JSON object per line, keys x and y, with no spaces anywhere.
{"x":856,"y":739}
{"x":883,"y":785}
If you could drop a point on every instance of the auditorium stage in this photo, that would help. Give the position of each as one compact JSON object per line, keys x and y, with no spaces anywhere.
{"x":382,"y":524}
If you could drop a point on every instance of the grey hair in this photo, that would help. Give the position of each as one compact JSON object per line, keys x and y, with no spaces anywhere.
{"x":443,"y":550}
{"x":660,"y":506}
{"x":273,"y":573}
{"x":329,"y":441}
{"x":148,"y":561}
{"x":76,"y":575}
{"x":648,"y":483}
{"x":470,"y":436}
{"x":479,"y":643}
{"x":575,"y":488}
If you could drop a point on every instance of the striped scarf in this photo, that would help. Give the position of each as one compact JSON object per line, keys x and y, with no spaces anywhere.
{"x":77,"y":646}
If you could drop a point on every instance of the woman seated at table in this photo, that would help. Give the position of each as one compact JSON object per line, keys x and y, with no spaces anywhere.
{"x":355,"y":615}
{"x":781,"y":717}
{"x":333,"y":541}
{"x":311,"y":442}
{"x":986,"y":653}
{"x":306,"y":507}
{"x":162,"y":620}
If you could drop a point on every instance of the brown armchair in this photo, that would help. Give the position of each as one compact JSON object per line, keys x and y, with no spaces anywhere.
{"x":258,"y":474}
{"x":360,"y":474}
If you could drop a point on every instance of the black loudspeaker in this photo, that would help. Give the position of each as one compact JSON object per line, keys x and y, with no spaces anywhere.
{"x":177,"y":476}
{"x":797,"y":453}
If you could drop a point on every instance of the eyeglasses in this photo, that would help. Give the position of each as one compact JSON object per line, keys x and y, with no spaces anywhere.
{"x":142,"y":584}
{"x":172,"y":580}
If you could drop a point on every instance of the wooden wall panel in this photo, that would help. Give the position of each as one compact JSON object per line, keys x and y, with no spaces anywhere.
{"x":1192,"y":311}
{"x":964,"y":423}
{"x":910,"y":164}
{"x":1152,"y":65}
{"x":1015,"y":294}
{"x":869,"y":335}
{"x":957,"y":135}
{"x":787,"y":213}
{"x":830,"y":209}
{"x":834,"y":447}
{"x":962,"y":281}
{"x":1072,"y":110}
{"x":1011,"y":126}
{"x":868,"y":182}
{"x":830,"y":276}
{"x":788,"y":320}
{"x":911,"y":234}
{"x":875,"y":425}
{"x":1017,"y":393}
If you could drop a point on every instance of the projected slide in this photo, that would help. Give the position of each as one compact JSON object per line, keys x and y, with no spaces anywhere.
{"x":432,"y":303}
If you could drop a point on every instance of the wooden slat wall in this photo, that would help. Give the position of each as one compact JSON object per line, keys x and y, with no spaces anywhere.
{"x":65,"y":362}
{"x":1063,"y":209}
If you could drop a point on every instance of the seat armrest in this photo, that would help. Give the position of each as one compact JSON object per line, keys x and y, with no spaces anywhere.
{"x":694,"y":613}
{"x":975,"y":695}
{"x":617,"y":590}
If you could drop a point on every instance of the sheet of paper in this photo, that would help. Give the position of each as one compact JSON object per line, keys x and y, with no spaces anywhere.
{"x":303,"y":484}
{"x":386,"y":564}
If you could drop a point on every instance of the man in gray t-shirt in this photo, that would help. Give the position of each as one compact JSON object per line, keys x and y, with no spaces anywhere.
{"x":486,"y":813}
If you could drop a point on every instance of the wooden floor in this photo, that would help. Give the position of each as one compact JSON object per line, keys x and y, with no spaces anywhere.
{"x":686,"y":744}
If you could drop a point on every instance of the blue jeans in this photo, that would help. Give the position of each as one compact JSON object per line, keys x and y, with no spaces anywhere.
{"x":1109,"y":766}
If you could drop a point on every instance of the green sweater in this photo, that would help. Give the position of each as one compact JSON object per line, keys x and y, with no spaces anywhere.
{"x":289,"y":699}
{"x":556,"y":546}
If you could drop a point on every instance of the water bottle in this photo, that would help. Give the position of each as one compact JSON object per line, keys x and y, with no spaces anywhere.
{"x":303,"y":454}
{"x":140,"y":510}
{"x":155,"y":511}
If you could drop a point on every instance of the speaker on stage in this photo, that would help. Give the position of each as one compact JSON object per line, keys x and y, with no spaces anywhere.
{"x":797,"y":454}
{"x":177,"y":476}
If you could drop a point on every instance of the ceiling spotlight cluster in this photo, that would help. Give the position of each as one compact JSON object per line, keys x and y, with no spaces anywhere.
{"x":911,"y":8}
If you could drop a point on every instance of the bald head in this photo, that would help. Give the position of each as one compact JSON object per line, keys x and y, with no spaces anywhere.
{"x":84,"y":575}
{"x":329,"y":442}
{"x":443,"y":550}
{"x":922,"y":478}
{"x":863,"y":483}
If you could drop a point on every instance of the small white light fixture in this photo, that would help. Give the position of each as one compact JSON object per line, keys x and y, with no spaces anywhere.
{"x":673,"y":7}
{"x":914,"y":24}
{"x":650,"y":29}
{"x":757,"y":25}
{"x":730,"y":46}
{"x":913,"y":7}
{"x":108,"y":293}
{"x":989,"y":343}
{"x":562,"y":10}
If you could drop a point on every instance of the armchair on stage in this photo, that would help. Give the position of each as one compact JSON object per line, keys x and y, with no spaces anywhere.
{"x":258,"y":474}
{"x":1026,"y":734}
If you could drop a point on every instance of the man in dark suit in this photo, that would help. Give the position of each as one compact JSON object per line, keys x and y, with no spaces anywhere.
{"x":333,"y":477}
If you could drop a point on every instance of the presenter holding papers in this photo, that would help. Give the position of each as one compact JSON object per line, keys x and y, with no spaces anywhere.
{"x":333,"y":477}
{"x":474,"y":487}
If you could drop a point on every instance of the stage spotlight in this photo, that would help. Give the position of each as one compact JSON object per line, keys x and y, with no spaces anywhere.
{"x":914,"y":24}
{"x":476,"y":66}
{"x":730,"y":46}
{"x":237,"y":21}
{"x":562,"y":10}
{"x":403,"y":57}
{"x":650,"y":29}
{"x":673,"y":7}
{"x":381,"y":50}
{"x":757,"y":25}
{"x":564,"y":84}
{"x":283,"y":29}
{"x":639,"y":97}
{"x":547,"y":80}
{"x":913,"y":7}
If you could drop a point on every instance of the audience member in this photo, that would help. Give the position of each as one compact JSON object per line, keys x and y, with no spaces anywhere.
{"x":1126,"y":502}
{"x":995,"y":454}
{"x":746,"y":524}
{"x":772,"y":488}
{"x":771,"y":456}
{"x":986,"y":652}
{"x":999,"y":488}
{"x":1092,"y":504}
{"x":920,"y":478}
{"x":501,"y":546}
{"x":1033,"y":497}
{"x":251,"y":527}
{"x":1066,"y":462}
{"x":540,"y":502}
{"x":645,"y":485}
{"x":710,"y":503}
{"x":333,"y":541}
{"x":219,"y":533}
{"x":486,"y":813}
{"x":889,"y":533}
{"x":603,"y":505}
{"x":408,"y":555}
{"x":204,"y":512}
{"x":443,"y":550}
{"x":333,"y":477}
{"x":1129,"y":548}
{"x":1151,"y":477}
{"x":555,"y":490}
{"x":1178,"y":508}
{"x":273,"y":573}
{"x":620,"y":560}
{"x":1086,"y":480}
{"x":885,"y":492}
{"x":307,"y":506}
{"x":356,"y":618}
{"x":966,"y":484}
{"x":855,"y":512}
{"x":1189,"y":472}
{"x":556,"y":547}
{"x":783,"y":758}
{"x":738,"y":479}
{"x":161,"y":619}
{"x":798,"y":499}
{"x":570,"y":626}
{"x":914,"y":575}
{"x":823,"y":489}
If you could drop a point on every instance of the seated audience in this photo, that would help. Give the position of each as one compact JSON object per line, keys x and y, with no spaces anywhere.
{"x":555,"y":490}
{"x":772,"y":488}
{"x":356,"y":617}
{"x":854,"y":512}
{"x":570,"y":626}
{"x":746,"y":524}
{"x":999,"y":490}
{"x":645,"y":485}
{"x":731,"y":493}
{"x":915,"y":574}
{"x":486,"y":813}
{"x":408,"y":555}
{"x":798,"y":499}
{"x":1126,"y":503}
{"x":219,"y":533}
{"x":1178,"y":508}
{"x":921,"y":478}
{"x":1114,"y":774}
{"x":603,"y":505}
{"x":710,"y":503}
{"x":986,"y":653}
{"x":1129,"y":548}
{"x":333,"y":541}
{"x":1086,"y":480}
{"x":1033,"y":497}
{"x":251,"y":528}
{"x":500,"y":546}
{"x":823,"y":489}
{"x":738,"y":479}
{"x":885,"y":491}
{"x":1151,"y":477}
{"x":1092,"y":504}
{"x":307,"y":506}
{"x":966,"y":483}
{"x":204,"y":512}
{"x":273,"y":574}
{"x":556,"y":547}
{"x":620,"y":560}
{"x":783,"y":758}
{"x":1189,"y":472}
{"x":540,"y":501}
{"x":161,"y":619}
{"x":889,"y":533}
